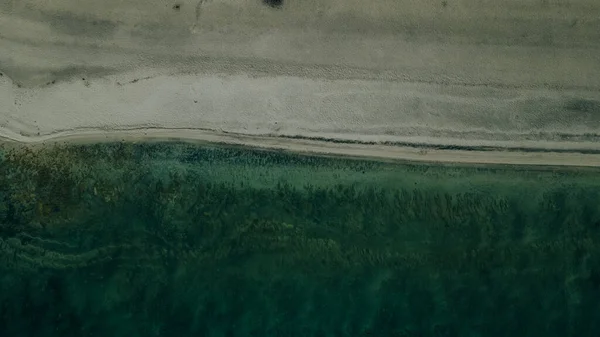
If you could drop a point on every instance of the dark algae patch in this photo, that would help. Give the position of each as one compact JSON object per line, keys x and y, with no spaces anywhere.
{"x":170,"y":239}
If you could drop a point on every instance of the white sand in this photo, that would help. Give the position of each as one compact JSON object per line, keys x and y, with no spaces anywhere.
{"x":510,"y":74}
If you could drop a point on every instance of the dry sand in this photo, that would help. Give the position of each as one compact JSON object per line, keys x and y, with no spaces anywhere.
{"x":504,"y":74}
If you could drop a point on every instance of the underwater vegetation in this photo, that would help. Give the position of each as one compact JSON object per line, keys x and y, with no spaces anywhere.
{"x":174,"y":239}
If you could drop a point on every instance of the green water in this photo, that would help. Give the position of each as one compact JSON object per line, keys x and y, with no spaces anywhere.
{"x":189,"y":240}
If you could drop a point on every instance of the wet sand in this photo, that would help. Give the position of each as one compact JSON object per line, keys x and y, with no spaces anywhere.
{"x":324,"y":147}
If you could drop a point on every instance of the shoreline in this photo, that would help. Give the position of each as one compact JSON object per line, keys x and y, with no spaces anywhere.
{"x":319,"y":147}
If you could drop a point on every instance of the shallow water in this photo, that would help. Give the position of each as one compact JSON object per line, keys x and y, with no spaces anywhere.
{"x":172,"y":239}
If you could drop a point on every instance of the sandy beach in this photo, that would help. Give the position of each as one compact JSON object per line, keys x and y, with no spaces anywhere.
{"x":513,"y":82}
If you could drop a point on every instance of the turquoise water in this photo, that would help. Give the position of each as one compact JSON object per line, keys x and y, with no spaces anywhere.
{"x":173,"y":239}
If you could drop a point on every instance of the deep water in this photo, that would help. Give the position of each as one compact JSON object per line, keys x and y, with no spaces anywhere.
{"x":172,"y":239}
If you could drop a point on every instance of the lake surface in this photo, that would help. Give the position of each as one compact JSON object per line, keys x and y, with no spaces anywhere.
{"x":174,"y":239}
